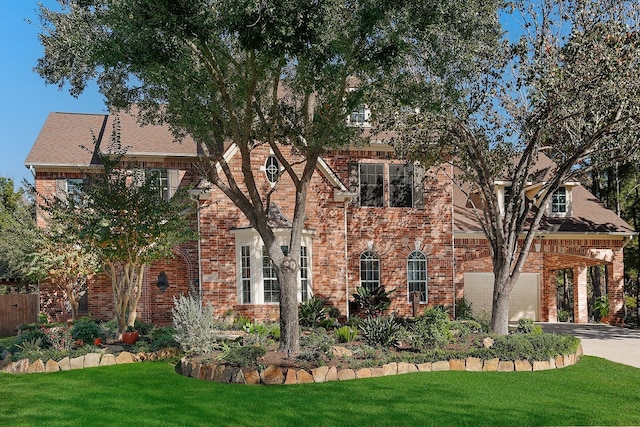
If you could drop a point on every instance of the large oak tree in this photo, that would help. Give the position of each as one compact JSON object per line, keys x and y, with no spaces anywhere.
{"x":252,"y":72}
{"x":565,"y":83}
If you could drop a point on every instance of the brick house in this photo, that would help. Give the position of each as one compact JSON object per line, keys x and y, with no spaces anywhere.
{"x":371,"y":220}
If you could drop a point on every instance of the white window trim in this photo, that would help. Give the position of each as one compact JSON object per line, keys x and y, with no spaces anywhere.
{"x":249,"y":237}
{"x":567,"y":212}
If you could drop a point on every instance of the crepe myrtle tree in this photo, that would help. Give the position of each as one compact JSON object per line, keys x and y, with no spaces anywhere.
{"x":252,"y":73}
{"x":565,"y":83}
{"x":121,"y":217}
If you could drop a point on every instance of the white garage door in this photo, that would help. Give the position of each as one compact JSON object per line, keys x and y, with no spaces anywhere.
{"x":525,"y":297}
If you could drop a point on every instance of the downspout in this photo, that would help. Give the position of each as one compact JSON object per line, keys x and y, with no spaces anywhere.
{"x":194,"y":195}
{"x":453,"y":253}
{"x":346,"y":260}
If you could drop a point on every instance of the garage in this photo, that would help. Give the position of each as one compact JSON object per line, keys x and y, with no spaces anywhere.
{"x":525,"y":297}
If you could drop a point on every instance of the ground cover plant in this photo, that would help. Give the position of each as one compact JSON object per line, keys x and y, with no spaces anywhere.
{"x":593,"y":392}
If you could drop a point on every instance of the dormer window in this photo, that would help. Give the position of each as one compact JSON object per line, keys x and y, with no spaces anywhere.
{"x":360,"y":117}
{"x":559,"y":201}
{"x":272,"y":169}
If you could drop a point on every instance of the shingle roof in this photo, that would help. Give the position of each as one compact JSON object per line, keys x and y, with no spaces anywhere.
{"x":62,"y":135}
{"x":588,"y":214}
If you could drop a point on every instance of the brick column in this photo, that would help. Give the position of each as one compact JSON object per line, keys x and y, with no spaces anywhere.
{"x":615,"y":289}
{"x":549,"y":297}
{"x":580,"y":302}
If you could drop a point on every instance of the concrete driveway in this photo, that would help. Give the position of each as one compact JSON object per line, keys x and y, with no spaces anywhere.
{"x":610,"y":342}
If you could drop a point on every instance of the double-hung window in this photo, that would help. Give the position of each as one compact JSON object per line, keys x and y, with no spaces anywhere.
{"x":417,"y":275}
{"x":372,"y":185}
{"x":370,"y":270}
{"x":400,"y":186}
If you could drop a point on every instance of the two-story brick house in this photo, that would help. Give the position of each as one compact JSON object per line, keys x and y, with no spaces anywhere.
{"x":371,"y":220}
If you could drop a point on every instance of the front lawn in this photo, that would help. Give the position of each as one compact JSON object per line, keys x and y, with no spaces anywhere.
{"x":593,"y":392}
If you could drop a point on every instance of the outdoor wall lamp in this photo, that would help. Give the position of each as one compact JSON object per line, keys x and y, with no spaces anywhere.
{"x":163,"y":281}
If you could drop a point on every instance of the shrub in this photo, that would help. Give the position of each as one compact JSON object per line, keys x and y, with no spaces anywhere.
{"x":311,"y":312}
{"x":162,"y":338}
{"x":31,"y":336}
{"x":240,"y":321}
{"x":59,"y":337}
{"x":316,"y":340}
{"x":432,"y":329}
{"x":194,"y":325}
{"x":86,"y":330}
{"x":143,"y":328}
{"x":564,"y":315}
{"x":346,"y":333}
{"x":464,"y":311}
{"x":534,"y":346}
{"x":381,"y":331}
{"x":526,"y":326}
{"x":372,"y":303}
{"x":241,"y":355}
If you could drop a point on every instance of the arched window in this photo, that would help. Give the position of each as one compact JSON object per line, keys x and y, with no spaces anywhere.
{"x":272,"y":169}
{"x":369,"y":270}
{"x":417,"y":274}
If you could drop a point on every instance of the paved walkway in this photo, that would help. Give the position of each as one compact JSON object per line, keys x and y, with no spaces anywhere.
{"x":610,"y":342}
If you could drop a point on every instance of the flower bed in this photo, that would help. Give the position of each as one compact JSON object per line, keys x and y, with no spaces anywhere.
{"x":274,"y":375}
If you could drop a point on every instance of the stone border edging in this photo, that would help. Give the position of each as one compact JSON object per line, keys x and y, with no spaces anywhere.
{"x":274,"y":375}
{"x":89,"y":360}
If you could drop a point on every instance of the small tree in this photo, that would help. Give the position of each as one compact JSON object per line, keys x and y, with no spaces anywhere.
{"x":122,"y":217}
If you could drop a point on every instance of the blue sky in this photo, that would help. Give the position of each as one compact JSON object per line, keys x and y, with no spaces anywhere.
{"x":25,"y":99}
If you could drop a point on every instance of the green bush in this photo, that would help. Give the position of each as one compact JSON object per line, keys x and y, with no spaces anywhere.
{"x":534,"y":346}
{"x":30,"y":336}
{"x":464,"y":311}
{"x":381,"y":331}
{"x":311,"y":312}
{"x":194,"y":325}
{"x":316,"y":340}
{"x":162,"y":338}
{"x":432,"y":329}
{"x":240,"y":321}
{"x":242,"y":355}
{"x":346,"y":333}
{"x":526,"y":326}
{"x":374,"y":302}
{"x":86,"y":330}
{"x":143,"y":328}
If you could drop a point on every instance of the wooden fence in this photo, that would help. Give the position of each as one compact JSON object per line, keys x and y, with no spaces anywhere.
{"x":16,"y":309}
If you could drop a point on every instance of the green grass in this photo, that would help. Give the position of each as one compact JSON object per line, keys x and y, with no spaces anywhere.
{"x":593,"y":392}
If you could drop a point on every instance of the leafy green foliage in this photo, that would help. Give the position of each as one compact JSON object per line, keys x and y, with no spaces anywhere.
{"x":432,"y":329}
{"x":372,"y":302}
{"x":527,"y":326}
{"x":534,"y":346}
{"x":241,"y":355}
{"x":464,"y":311}
{"x":382,"y":331}
{"x":346,"y":333}
{"x":162,"y":337}
{"x":86,"y":330}
{"x":311,"y":312}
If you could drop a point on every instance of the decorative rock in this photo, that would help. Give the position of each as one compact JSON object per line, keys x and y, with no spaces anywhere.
{"x":304,"y":377}
{"x":363,"y":373}
{"x":523,"y":365}
{"x":473,"y":364}
{"x":6,"y":358}
{"x":541,"y":365}
{"x":390,"y":369}
{"x":91,"y":360}
{"x":560,"y":361}
{"x":203,"y":372}
{"x":252,"y":377}
{"x":77,"y":362}
{"x":487,"y":342}
{"x":341,"y":351}
{"x":456,"y":365}
{"x":579,"y":352}
{"x":65,"y":364}
{"x":272,"y":375}
{"x":491,"y":364}
{"x":21,"y":366}
{"x":109,"y":359}
{"x":51,"y":366}
{"x":332,"y":374}
{"x":291,"y":377}
{"x":237,"y":376}
{"x":195,"y":370}
{"x":141,"y":356}
{"x":346,"y":374}
{"x":442,"y":365}
{"x":207,"y":372}
{"x":320,"y":374}
{"x":9,"y":368}
{"x":552,"y":363}
{"x":36,"y":366}
{"x":406,"y":368}
{"x":569,"y":359}
{"x":424,"y":367}
{"x":125,"y":357}
{"x":377,"y":371}
{"x":218,"y":373}
{"x":505,"y":366}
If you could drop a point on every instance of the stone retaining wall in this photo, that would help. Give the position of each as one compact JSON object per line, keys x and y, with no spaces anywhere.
{"x":89,"y":360}
{"x":276,"y":375}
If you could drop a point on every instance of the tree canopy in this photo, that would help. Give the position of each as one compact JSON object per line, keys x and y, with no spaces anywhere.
{"x":277,"y":72}
{"x":564,"y":83}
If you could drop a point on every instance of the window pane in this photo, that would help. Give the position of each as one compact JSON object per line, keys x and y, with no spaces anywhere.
{"x":417,"y":275}
{"x":369,"y":270}
{"x":371,"y":185}
{"x":245,"y":260}
{"x":400,"y":186}
{"x":559,"y":201}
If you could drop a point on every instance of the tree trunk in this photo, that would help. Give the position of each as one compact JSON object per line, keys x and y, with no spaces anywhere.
{"x":500,"y":309}
{"x":289,"y":327}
